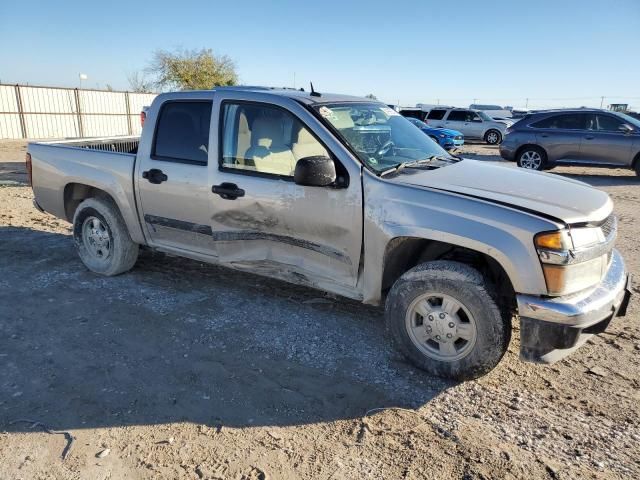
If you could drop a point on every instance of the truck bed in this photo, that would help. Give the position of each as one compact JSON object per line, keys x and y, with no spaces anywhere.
{"x":109,"y":144}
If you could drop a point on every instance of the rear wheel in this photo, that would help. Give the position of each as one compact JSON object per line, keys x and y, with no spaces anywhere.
{"x":493,"y":137}
{"x":102,"y":239}
{"x":532,"y":158}
{"x":443,"y":318}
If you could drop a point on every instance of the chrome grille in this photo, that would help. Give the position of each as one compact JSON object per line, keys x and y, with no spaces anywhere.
{"x":609,"y":226}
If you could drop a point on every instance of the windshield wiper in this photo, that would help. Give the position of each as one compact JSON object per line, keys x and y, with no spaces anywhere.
{"x":414,"y":163}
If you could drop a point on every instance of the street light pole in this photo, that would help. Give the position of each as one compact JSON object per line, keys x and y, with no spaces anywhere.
{"x":82,"y":76}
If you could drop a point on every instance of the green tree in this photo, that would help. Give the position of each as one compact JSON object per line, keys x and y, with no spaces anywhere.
{"x":371,"y":96}
{"x":191,"y":70}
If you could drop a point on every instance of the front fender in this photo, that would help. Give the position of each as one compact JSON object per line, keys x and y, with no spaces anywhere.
{"x":503,"y":233}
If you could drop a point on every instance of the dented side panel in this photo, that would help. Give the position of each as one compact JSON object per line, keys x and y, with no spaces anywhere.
{"x":311,"y":235}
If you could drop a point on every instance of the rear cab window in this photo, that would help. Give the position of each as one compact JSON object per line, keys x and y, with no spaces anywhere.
{"x":182,"y":132}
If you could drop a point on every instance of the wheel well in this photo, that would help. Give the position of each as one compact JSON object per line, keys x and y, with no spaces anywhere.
{"x":404,"y":253}
{"x":636,"y":159}
{"x":492,"y":129}
{"x":528,"y":145}
{"x":75,"y":193}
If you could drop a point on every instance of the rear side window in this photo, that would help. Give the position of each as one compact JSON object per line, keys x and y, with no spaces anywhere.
{"x":436,"y":115}
{"x":182,"y":132}
{"x":569,"y":121}
{"x":457,"y":116}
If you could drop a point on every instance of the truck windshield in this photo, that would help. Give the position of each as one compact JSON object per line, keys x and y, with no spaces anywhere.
{"x":484,"y":116}
{"x":379,"y":135}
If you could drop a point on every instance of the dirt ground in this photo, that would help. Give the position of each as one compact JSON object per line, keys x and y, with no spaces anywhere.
{"x":184,"y":370}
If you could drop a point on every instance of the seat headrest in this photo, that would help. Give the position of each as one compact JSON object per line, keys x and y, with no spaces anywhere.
{"x":266,"y":131}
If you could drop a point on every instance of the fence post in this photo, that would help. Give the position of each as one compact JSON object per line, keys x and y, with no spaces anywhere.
{"x":126,"y":98}
{"x":80,"y":129}
{"x":23,"y":126}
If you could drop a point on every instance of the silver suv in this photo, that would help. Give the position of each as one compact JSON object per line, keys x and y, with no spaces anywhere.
{"x":472,"y":123}
{"x":575,"y":137}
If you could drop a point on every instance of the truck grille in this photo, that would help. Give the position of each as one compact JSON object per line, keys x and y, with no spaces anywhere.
{"x":609,"y":226}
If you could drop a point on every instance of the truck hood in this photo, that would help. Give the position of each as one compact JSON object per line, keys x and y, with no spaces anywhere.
{"x":547,"y":194}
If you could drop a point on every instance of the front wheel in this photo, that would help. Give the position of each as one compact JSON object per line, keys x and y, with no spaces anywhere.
{"x":102,"y":238}
{"x":442,"y":317}
{"x":493,"y":137}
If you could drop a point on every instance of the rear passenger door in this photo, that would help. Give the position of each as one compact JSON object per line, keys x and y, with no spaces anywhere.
{"x":457,"y":120}
{"x":268,"y":224}
{"x":560,"y":135}
{"x":171,"y":177}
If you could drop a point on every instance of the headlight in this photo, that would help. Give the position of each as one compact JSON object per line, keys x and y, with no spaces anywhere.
{"x":572,"y":260}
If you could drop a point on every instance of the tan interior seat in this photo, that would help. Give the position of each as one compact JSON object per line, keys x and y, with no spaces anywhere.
{"x":269,"y":152}
{"x":306,"y":145}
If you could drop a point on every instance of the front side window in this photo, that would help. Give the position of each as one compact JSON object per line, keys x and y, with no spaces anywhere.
{"x":378,"y":135}
{"x":182,"y":132}
{"x":265,"y":139}
{"x":608,"y":123}
{"x":436,"y":114}
{"x":473,"y":117}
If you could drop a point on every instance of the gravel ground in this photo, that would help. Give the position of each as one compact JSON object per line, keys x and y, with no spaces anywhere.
{"x":184,"y":370}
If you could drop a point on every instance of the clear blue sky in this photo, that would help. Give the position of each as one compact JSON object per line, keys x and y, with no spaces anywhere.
{"x":408,"y":51}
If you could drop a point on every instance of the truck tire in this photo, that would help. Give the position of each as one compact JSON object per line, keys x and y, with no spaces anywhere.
{"x":442,"y":317}
{"x":493,"y":137}
{"x":102,"y":238}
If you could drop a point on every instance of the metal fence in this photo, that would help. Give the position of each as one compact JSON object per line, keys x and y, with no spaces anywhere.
{"x":51,"y":112}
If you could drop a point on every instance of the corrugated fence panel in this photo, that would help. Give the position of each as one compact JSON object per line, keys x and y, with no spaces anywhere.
{"x":9,"y":118}
{"x":53,"y":112}
{"x":49,"y":112}
{"x":103,"y":113}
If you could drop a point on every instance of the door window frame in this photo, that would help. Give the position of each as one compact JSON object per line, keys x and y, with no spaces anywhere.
{"x":185,"y":161}
{"x":253,"y":173}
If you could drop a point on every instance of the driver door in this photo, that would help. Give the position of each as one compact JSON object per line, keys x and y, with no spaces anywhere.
{"x":269,"y":224}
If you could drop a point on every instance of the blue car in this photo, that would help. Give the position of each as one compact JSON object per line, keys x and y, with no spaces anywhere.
{"x":447,"y":139}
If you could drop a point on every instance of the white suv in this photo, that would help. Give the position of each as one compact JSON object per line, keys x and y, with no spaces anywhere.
{"x":472,"y":123}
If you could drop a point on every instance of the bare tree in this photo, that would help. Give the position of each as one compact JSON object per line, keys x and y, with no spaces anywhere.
{"x":371,"y":96}
{"x":139,"y":83}
{"x":191,"y":70}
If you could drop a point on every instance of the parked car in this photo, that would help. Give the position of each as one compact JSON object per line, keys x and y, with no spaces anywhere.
{"x":574,"y":137}
{"x":494,"y":111}
{"x":343,"y":194}
{"x":471,"y":123}
{"x":446,"y":138}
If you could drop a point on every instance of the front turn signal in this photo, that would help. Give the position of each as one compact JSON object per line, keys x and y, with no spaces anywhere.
{"x":553,"y":240}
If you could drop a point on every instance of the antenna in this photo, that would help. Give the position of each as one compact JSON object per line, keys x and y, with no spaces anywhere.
{"x":313,"y":92}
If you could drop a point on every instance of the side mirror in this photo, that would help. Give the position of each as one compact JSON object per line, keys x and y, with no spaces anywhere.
{"x":317,"y":171}
{"x":626,"y":128}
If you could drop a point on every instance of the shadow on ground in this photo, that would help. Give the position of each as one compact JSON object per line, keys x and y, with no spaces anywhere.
{"x":177,"y":340}
{"x":609,"y":178}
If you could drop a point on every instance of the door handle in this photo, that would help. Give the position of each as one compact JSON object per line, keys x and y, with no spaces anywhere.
{"x":228,"y":191}
{"x":154,"y":176}
{"x":544,"y":135}
{"x":590,"y":137}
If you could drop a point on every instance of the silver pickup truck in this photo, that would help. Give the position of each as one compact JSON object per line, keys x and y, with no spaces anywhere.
{"x":345,"y":195}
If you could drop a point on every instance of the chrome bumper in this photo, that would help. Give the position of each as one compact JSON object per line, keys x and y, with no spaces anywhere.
{"x":553,"y":327}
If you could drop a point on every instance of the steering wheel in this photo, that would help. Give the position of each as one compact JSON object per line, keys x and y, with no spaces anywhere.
{"x":388,"y":145}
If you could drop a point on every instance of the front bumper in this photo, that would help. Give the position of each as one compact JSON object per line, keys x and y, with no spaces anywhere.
{"x":551,"y":328}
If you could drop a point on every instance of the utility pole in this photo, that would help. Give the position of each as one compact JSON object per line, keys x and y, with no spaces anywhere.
{"x":601,"y":101}
{"x":526,"y":104}
{"x":294,"y":80}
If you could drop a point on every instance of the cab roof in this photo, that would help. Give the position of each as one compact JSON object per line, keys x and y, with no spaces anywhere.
{"x":300,"y":95}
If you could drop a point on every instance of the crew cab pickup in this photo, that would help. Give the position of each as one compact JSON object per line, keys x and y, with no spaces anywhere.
{"x":345,"y":195}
